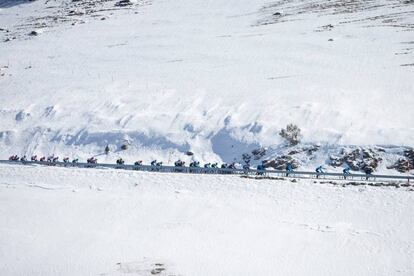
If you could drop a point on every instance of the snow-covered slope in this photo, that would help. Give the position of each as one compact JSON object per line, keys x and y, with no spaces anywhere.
{"x":60,"y":221}
{"x":205,"y":76}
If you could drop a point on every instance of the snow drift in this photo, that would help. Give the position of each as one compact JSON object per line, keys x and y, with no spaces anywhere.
{"x":61,"y":221}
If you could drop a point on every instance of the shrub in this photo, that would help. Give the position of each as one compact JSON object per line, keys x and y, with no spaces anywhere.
{"x":292,"y":134}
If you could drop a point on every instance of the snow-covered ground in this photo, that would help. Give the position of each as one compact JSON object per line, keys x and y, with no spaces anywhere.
{"x":217,"y":78}
{"x":206,"y":76}
{"x":60,"y":221}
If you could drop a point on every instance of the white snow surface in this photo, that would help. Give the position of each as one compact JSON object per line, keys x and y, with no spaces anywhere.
{"x":67,"y":221}
{"x":173,"y":76}
{"x":217,"y":78}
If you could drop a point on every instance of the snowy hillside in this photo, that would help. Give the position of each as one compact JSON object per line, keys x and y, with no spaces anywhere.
{"x":218,"y":78}
{"x":213,"y":81}
{"x":61,"y":221}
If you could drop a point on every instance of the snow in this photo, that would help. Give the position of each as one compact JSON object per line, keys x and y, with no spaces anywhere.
{"x":172,"y":76}
{"x":67,"y":221}
{"x":219,"y":79}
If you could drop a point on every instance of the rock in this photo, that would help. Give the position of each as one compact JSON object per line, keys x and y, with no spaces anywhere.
{"x":124,"y":146}
{"x":21,"y":116}
{"x":246,"y":158}
{"x":123,"y":3}
{"x":312,"y":149}
{"x":280,"y":163}
{"x":357,"y":159}
{"x":404,"y":164}
{"x":34,"y":33}
{"x":336,"y":161}
{"x":409,"y":154}
{"x":37,"y":31}
{"x":370,"y":159}
{"x":157,"y":270}
{"x":75,"y":13}
{"x":259,"y":153}
{"x":292,"y":152}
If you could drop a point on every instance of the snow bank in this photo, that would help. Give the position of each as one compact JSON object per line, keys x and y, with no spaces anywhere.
{"x":57,"y":221}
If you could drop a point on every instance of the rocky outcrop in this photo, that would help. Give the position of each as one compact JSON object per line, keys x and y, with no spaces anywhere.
{"x":406,"y":163}
{"x":256,"y":154}
{"x":280,"y":162}
{"x":359,"y":159}
{"x":294,"y":155}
